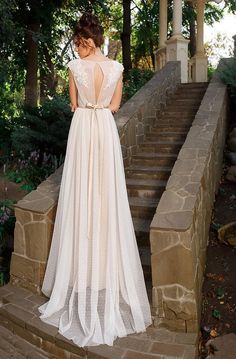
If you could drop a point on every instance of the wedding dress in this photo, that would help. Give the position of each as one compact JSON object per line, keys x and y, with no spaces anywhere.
{"x":94,"y":276}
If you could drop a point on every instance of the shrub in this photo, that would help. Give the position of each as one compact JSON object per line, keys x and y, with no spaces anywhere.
{"x":134,"y":80}
{"x":43,"y":128}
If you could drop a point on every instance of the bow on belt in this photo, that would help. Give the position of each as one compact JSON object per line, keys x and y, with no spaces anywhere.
{"x":94,"y":106}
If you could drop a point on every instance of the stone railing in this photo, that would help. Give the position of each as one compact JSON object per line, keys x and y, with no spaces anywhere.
{"x":136,"y":117}
{"x":180,"y":227}
{"x":35,"y":213}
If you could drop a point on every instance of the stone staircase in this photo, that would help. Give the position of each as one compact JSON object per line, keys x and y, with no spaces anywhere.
{"x":151,"y":166}
{"x":27,"y":336}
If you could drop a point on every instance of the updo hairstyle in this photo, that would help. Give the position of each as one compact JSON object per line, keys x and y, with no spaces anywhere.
{"x":87,"y":27}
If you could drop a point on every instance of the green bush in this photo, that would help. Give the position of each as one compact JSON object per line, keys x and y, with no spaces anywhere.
{"x":43,"y":128}
{"x":134,"y":80}
{"x":227,"y":72}
{"x":32,"y":170}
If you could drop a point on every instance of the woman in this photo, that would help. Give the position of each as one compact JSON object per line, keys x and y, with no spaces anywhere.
{"x":94,"y":276}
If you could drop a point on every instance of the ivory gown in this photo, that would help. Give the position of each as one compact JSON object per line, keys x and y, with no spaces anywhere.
{"x":94,"y":276}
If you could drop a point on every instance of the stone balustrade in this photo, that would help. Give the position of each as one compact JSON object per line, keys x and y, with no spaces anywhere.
{"x":136,"y":117}
{"x":35,"y":213}
{"x":180,"y":227}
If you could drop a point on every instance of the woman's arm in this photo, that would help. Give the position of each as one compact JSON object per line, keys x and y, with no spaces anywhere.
{"x":73,"y":92}
{"x":117,"y":96}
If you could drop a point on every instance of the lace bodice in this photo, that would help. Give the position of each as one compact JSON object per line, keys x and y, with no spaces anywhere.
{"x":85,"y":77}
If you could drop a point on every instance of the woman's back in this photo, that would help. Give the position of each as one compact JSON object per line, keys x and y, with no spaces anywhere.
{"x":95,"y":80}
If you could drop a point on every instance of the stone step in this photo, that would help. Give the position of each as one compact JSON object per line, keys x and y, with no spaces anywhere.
{"x":167,"y":128}
{"x":194,"y":85}
{"x":182,"y":87}
{"x":178,"y":114}
{"x":143,"y":207}
{"x":13,"y":346}
{"x":182,"y":107}
{"x":166,"y":136}
{"x":185,"y":101}
{"x":154,"y":159}
{"x":198,"y":95}
{"x":138,"y":187}
{"x":19,"y":313}
{"x":161,"y":146}
{"x":175,"y":119}
{"x":153,"y":172}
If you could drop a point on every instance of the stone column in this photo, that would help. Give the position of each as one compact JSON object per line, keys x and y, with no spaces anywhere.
{"x":177,"y":18}
{"x":160,"y":54}
{"x":200,"y":59}
{"x":177,"y":45}
{"x":162,"y":23}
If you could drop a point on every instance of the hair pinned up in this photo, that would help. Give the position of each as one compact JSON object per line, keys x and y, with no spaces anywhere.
{"x":87,"y":27}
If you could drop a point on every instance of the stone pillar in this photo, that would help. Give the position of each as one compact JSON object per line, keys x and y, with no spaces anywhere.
{"x":160,"y":54}
{"x":200,"y":59}
{"x":162,"y":23}
{"x":177,"y":18}
{"x":177,"y":45}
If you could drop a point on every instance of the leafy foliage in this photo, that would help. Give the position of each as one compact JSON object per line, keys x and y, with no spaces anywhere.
{"x":228,"y":72}
{"x":32,"y":170}
{"x":43,"y":128}
{"x":134,"y":80}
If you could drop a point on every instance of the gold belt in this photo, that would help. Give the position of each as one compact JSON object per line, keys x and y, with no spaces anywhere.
{"x":94,"y":106}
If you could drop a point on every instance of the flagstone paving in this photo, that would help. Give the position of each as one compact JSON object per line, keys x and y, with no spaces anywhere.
{"x":24,"y":335}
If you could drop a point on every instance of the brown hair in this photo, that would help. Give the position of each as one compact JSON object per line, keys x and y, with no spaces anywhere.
{"x":87,"y":27}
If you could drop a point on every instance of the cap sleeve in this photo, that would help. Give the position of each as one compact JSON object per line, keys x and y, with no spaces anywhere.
{"x":121,"y":67}
{"x":72,"y":65}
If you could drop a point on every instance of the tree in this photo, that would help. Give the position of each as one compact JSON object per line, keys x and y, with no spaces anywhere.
{"x":125,"y":35}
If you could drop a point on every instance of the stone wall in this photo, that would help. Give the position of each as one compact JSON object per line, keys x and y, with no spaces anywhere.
{"x":179,"y":229}
{"x":35,"y":213}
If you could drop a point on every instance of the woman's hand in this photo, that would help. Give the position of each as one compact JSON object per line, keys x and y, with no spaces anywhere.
{"x":113,"y":108}
{"x":73,"y":107}
{"x":116,"y":98}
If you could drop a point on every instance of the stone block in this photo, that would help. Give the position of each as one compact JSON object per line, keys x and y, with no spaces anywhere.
{"x":16,"y":314}
{"x":186,"y":338}
{"x":105,"y":352}
{"x":181,"y":220}
{"x":133,"y":343}
{"x":26,"y":335}
{"x":41,"y":329}
{"x":52,"y":213}
{"x":171,"y":269}
{"x":23,"y":216}
{"x":131,"y":354}
{"x":174,"y":350}
{"x":36,"y":241}
{"x":181,"y":309}
{"x":162,"y":240}
{"x":25,"y":269}
{"x":19,"y":239}
{"x":54,"y":350}
{"x":68,"y":345}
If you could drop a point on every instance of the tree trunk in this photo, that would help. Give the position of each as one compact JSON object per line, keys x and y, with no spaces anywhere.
{"x":192,"y":28}
{"x":31,"y":88}
{"x":125,"y":35}
{"x":48,"y":81}
{"x":192,"y":44}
